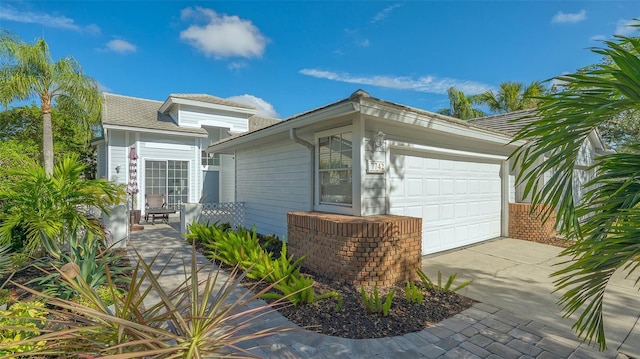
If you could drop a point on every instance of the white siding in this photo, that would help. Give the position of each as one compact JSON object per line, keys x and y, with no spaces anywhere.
{"x":227,"y":178}
{"x":118,"y":155}
{"x":196,"y":117}
{"x":273,"y":180}
{"x":373,"y":185}
{"x":586,"y":157}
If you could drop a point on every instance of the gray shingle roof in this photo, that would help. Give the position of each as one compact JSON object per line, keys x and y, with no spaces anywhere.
{"x":118,"y":110}
{"x":211,"y":99}
{"x":257,"y":122}
{"x":510,"y":122}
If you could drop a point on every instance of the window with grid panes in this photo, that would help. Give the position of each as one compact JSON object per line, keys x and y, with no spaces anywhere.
{"x":213,"y":160}
{"x":335,"y":169}
{"x":170,"y":178}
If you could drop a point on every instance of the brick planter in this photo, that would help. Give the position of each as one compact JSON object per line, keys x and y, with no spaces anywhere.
{"x":374,"y":250}
{"x":526,"y":225}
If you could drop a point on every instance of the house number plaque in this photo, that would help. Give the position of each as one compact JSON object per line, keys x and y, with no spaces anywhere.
{"x":375,"y":167}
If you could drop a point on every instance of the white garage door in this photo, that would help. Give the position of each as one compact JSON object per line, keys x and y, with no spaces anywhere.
{"x":458,"y":200}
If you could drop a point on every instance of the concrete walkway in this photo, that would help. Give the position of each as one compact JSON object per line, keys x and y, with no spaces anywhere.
{"x":514,"y":319}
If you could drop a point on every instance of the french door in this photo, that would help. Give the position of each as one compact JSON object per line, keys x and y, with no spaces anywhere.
{"x":170,"y":178}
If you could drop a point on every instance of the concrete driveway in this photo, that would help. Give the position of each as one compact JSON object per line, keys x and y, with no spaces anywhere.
{"x":513,"y":275}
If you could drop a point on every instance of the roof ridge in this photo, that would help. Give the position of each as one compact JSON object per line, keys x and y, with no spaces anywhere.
{"x":131,"y":97}
{"x":504,"y":114}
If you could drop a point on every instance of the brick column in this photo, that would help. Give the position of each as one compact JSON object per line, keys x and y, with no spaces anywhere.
{"x":524,"y":224}
{"x":374,"y":250}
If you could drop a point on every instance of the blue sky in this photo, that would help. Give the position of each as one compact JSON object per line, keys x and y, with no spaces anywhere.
{"x":290,"y":57}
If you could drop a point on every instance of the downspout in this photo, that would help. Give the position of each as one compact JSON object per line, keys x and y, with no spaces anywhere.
{"x":296,"y":139}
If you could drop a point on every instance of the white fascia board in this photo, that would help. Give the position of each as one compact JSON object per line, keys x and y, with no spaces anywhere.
{"x":162,"y":132}
{"x":445,"y":151}
{"x":337,"y":110}
{"x":181,"y":101}
{"x":434,"y":123}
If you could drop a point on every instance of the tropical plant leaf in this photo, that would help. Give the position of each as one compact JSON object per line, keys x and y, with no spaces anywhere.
{"x":605,"y":224}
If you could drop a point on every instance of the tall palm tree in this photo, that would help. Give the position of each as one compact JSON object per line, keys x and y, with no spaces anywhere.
{"x":606,"y":225}
{"x":28,"y":71}
{"x":512,"y":96}
{"x":461,"y":105}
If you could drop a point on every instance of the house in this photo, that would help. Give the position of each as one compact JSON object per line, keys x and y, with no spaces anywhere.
{"x":364,"y":157}
{"x":164,"y":141}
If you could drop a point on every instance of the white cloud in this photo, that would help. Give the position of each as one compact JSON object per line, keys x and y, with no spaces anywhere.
{"x":61,"y":22}
{"x":103,"y":88}
{"x":624,"y":28}
{"x":265,"y":109}
{"x":385,"y":13}
{"x":598,"y":38}
{"x":121,"y":46}
{"x":571,"y":18}
{"x":222,"y":36}
{"x":236,"y":65}
{"x":429,"y":84}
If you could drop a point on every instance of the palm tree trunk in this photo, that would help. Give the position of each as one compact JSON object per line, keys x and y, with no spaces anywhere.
{"x":47,"y":137}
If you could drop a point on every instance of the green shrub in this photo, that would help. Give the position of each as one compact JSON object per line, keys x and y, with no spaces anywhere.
{"x":439,"y":287}
{"x":19,"y":323}
{"x":230,"y":247}
{"x":41,"y":211}
{"x":298,"y":289}
{"x":275,"y":270}
{"x":107,"y":294}
{"x":374,"y":304}
{"x":413,"y":294}
{"x":88,"y":261}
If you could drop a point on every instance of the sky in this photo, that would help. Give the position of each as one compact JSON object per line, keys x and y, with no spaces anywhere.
{"x":288,"y":57}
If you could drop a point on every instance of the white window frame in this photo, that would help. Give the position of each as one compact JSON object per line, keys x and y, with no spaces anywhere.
{"x":338,"y":208}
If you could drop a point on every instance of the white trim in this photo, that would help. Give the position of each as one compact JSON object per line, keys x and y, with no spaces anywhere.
{"x":504,"y":200}
{"x":229,"y":143}
{"x":162,"y":132}
{"x":181,"y":101}
{"x":358,"y":170}
{"x":167,"y":146}
{"x":437,"y":150}
{"x":349,"y":209}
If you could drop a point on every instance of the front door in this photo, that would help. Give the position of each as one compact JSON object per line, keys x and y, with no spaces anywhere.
{"x":210,"y":187}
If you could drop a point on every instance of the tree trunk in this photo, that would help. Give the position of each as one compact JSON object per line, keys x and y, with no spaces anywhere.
{"x":47,"y":137}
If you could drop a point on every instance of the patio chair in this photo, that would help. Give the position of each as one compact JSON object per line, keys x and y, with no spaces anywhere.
{"x":155,"y":206}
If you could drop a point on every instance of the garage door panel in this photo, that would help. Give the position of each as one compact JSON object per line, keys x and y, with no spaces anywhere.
{"x":459,"y":201}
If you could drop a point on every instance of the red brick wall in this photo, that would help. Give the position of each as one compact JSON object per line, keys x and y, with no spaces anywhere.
{"x":526,"y":225}
{"x":374,"y":250}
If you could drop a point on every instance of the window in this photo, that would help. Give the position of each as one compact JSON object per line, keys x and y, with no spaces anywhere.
{"x":170,"y":178}
{"x":335,"y":169}
{"x":213,"y":160}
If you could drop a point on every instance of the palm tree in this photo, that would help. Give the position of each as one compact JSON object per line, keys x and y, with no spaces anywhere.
{"x":461,"y":106}
{"x":512,"y":96}
{"x":28,"y":71}
{"x":606,"y":225}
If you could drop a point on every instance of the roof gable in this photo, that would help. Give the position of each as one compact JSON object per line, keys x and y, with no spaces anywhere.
{"x":206,"y":101}
{"x":138,"y":113}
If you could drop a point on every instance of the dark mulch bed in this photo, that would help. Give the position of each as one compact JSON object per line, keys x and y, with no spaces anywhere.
{"x":353,"y":321}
